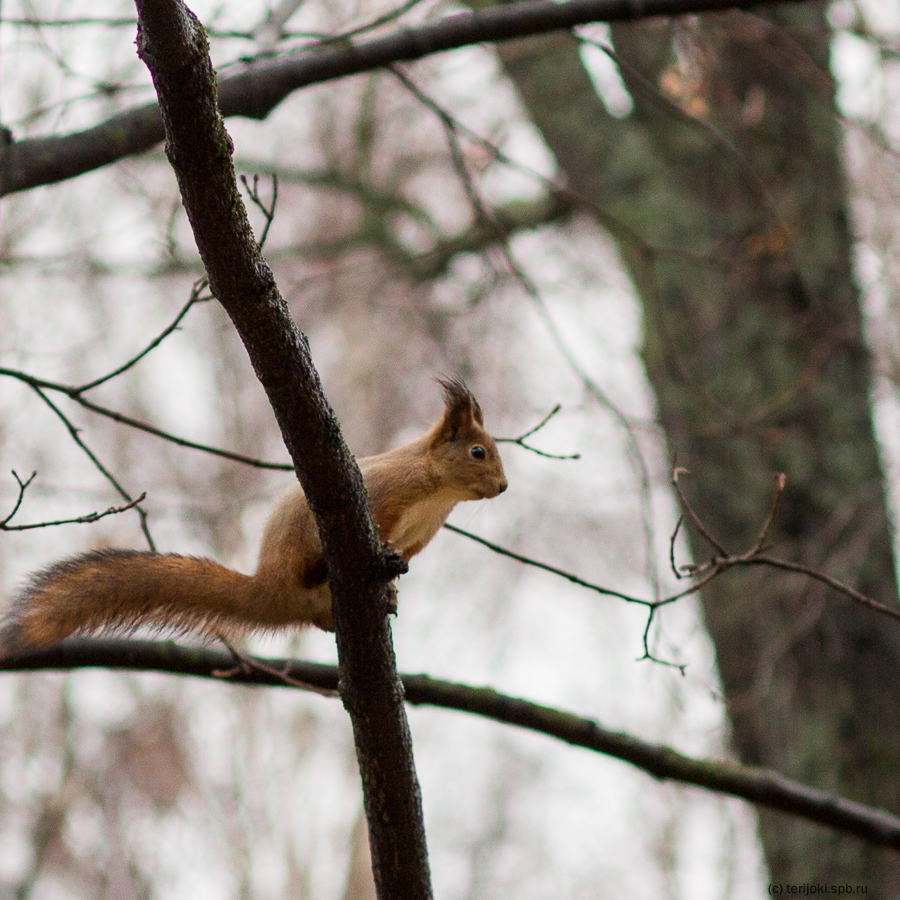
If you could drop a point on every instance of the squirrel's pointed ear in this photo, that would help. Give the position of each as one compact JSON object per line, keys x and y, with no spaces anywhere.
{"x":461,"y":410}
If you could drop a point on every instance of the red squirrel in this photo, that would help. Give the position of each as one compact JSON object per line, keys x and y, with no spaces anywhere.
{"x":411,"y":491}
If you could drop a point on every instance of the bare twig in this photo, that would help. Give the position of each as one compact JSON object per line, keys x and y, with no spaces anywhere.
{"x":685,"y":503}
{"x":648,"y":655}
{"x":75,"y":393}
{"x":780,"y":481}
{"x":672,"y":564}
{"x":23,"y":486}
{"x":74,"y":434}
{"x":70,"y":23}
{"x":197,"y":296}
{"x":833,"y":583}
{"x":754,"y":556}
{"x":700,"y":574}
{"x":742,"y":163}
{"x":271,"y":30}
{"x":267,"y":211}
{"x":79,"y":520}
{"x":520,"y":441}
{"x":245,"y":664}
{"x":707,"y":575}
{"x":172,"y":438}
{"x":553,"y":570}
{"x":650,"y":605}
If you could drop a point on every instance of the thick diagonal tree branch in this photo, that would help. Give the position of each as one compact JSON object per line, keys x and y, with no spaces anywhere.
{"x":174,"y":47}
{"x":259,"y":87}
{"x":758,"y":785}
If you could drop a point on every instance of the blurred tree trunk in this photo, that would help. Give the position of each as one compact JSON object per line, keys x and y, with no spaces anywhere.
{"x":734,"y":229}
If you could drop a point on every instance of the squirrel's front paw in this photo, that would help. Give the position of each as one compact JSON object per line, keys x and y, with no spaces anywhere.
{"x":394,"y":563}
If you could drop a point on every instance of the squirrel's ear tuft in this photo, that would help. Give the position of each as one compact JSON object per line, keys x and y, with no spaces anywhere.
{"x":460,"y":403}
{"x":461,"y":411}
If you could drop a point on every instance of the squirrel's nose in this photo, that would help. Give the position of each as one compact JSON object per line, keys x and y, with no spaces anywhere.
{"x":503,"y":486}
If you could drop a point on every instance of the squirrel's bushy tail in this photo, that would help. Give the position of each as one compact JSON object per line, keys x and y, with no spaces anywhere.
{"x":125,"y":589}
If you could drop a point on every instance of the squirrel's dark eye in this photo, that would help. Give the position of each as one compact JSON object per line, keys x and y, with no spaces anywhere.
{"x":478,"y":452}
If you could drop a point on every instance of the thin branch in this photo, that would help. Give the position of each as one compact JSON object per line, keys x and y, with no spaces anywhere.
{"x":651,"y":605}
{"x":700,"y":573}
{"x":520,"y":441}
{"x":762,"y":787}
{"x":196,"y":296}
{"x":267,"y":211}
{"x":685,"y":503}
{"x":385,"y":18}
{"x":244,"y":664}
{"x":704,"y":576}
{"x":75,"y":393}
{"x":553,"y":570}
{"x":553,"y":205}
{"x":676,"y":571}
{"x":74,"y":434}
{"x":23,"y":486}
{"x":833,"y":583}
{"x":174,"y":439}
{"x":780,"y":481}
{"x":260,"y":86}
{"x":744,"y":166}
{"x":649,"y":655}
{"x":568,"y":198}
{"x":70,"y":23}
{"x":79,"y":520}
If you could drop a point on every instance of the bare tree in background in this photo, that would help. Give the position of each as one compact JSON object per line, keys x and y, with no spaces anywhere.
{"x":725,"y":190}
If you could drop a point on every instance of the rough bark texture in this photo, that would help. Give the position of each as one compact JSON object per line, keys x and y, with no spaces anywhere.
{"x":173,"y":45}
{"x":735,"y":232}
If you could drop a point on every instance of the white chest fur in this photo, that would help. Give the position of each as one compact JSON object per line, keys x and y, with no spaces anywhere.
{"x":419,"y":524}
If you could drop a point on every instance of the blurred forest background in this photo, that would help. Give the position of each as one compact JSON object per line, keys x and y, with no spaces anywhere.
{"x":444,"y":218}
